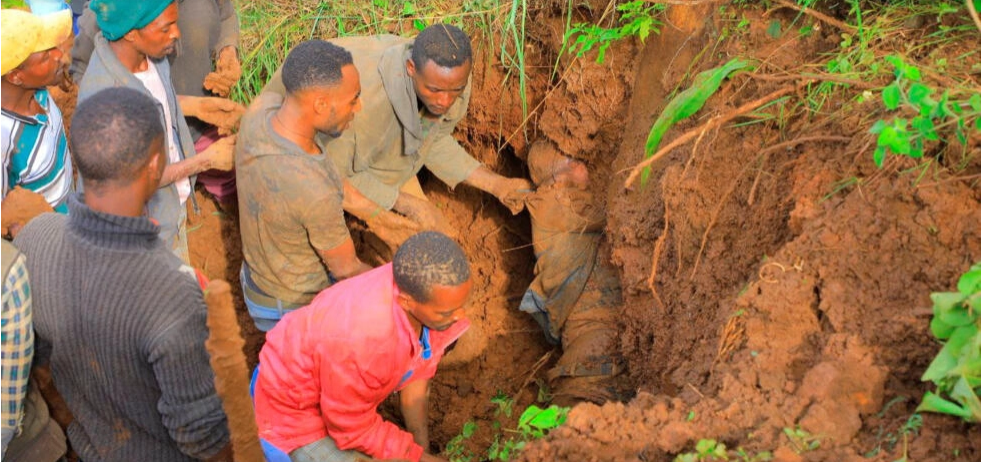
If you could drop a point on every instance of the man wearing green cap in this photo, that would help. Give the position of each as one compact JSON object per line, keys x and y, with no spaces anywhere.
{"x":136,"y":38}
{"x":35,"y":149}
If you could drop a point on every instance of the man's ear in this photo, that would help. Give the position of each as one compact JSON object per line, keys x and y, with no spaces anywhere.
{"x":131,"y":36}
{"x":154,"y":169}
{"x":14,"y":77}
{"x":410,"y":68}
{"x":405,"y":301}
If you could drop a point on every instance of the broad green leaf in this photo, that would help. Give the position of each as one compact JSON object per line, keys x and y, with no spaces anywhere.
{"x":969,"y":282}
{"x":974,"y":303}
{"x":469,"y":429}
{"x":945,"y":301}
{"x":958,"y":316}
{"x":918,"y":92}
{"x":925,"y":127}
{"x":959,"y":338}
{"x":940,"y":367}
{"x":878,"y":127}
{"x":891,"y":96}
{"x":940,"y":329}
{"x":964,"y":395}
{"x":687,"y":102}
{"x":705,"y":446}
{"x":879,"y":156}
{"x":895,"y":61}
{"x":934,"y":403}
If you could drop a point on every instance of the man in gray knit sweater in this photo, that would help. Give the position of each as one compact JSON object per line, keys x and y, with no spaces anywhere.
{"x":121,"y":318}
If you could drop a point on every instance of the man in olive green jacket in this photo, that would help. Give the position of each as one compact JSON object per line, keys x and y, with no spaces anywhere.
{"x":414,"y":92}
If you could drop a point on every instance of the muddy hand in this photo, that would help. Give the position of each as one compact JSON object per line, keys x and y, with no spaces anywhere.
{"x":220,"y":112}
{"x":221,"y":154}
{"x":19,"y":207}
{"x":228,"y":69}
{"x":515,"y":192}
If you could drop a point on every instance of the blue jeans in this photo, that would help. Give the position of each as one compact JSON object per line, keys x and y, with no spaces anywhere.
{"x":264,"y":316}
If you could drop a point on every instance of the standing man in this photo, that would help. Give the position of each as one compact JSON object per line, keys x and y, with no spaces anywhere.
{"x":415,"y":93}
{"x":294,"y":238}
{"x":122,"y":318}
{"x":326,"y":367}
{"x":209,"y":31}
{"x":136,"y":39}
{"x":35,"y":148}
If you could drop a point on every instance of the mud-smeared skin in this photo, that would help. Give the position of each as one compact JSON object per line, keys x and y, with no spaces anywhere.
{"x":224,"y":345}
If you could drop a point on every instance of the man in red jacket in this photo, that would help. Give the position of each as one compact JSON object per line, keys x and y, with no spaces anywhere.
{"x":327,"y":366}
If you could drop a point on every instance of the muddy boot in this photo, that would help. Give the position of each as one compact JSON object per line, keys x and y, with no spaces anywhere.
{"x":589,"y":364}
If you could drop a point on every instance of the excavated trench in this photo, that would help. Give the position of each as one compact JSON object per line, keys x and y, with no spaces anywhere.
{"x":754,"y":300}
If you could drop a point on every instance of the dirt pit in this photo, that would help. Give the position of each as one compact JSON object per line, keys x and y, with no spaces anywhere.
{"x":776,"y":282}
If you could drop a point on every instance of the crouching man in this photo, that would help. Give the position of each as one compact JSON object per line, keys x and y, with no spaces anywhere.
{"x":326,"y":367}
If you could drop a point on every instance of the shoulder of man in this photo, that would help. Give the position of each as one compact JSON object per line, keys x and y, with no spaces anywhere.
{"x":41,"y":231}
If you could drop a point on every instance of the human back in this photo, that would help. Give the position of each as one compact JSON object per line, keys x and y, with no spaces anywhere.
{"x":121,"y":318}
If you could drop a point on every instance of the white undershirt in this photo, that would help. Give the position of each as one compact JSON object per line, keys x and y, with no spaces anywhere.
{"x":152,"y":81}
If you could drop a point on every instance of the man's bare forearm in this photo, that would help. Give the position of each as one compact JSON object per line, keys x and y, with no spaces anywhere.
{"x":413,"y":402}
{"x":357,"y":204}
{"x":183,"y":169}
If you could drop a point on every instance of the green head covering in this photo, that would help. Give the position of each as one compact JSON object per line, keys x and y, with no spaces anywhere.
{"x":117,"y":17}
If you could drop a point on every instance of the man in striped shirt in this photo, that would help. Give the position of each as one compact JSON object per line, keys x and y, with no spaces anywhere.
{"x":34,"y":145}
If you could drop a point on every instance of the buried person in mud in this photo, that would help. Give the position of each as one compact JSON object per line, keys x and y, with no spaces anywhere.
{"x":120,"y":317}
{"x":414,"y":92}
{"x":575,"y":294}
{"x":325,"y":368}
{"x":294,"y":238}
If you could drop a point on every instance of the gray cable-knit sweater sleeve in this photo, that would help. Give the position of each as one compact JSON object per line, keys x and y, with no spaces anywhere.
{"x":189,"y":406}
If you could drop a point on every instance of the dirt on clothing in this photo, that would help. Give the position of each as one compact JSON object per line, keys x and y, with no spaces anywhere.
{"x":776,"y":283}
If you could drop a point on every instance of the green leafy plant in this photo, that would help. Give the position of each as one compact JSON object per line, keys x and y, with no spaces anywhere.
{"x":712,"y":450}
{"x":890,"y":439}
{"x":907,"y":137}
{"x":534,"y":423}
{"x":802,"y":441}
{"x":686,"y":103}
{"x":504,"y":403}
{"x":638,"y":18}
{"x":955,"y":371}
{"x":456,"y":450}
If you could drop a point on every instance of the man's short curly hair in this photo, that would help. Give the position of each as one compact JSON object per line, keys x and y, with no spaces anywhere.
{"x":428,"y":259}
{"x":444,"y":44}
{"x":112,"y":132}
{"x":314,"y":63}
